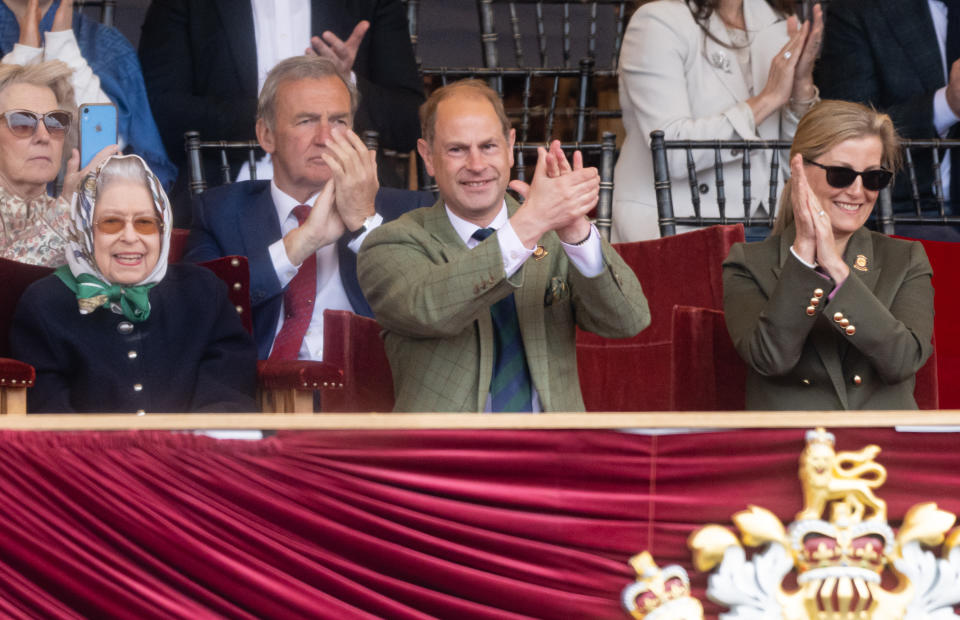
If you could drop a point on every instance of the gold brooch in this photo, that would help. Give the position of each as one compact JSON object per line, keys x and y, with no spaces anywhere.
{"x":860,"y":263}
{"x":540,"y":252}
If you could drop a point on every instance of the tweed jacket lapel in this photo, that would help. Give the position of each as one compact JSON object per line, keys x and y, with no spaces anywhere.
{"x":531,"y":280}
{"x":438,"y":225}
{"x":534,"y":275}
{"x":237,"y":19}
{"x":912,"y":26}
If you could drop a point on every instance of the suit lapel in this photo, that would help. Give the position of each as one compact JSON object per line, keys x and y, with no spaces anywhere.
{"x":529,"y":299}
{"x":258,"y":225}
{"x":858,"y":256}
{"x":237,"y":20}
{"x":822,"y":334}
{"x":722,"y":59}
{"x":912,"y":26}
{"x":438,"y":225}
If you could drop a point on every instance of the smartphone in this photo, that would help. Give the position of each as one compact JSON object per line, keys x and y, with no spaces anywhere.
{"x":98,"y":129}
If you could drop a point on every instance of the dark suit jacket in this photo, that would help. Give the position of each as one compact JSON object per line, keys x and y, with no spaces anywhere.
{"x":192,"y":354}
{"x":433,"y":296}
{"x":800,"y":361}
{"x":884,"y":52}
{"x":199,"y":62}
{"x":240,"y":218}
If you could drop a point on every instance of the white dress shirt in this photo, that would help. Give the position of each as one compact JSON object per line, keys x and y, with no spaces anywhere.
{"x":330,"y":291}
{"x":943,"y":115}
{"x":587,"y":258}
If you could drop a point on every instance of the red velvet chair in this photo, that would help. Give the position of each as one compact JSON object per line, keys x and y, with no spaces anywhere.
{"x":15,"y":376}
{"x":284,"y":387}
{"x":945,"y":259}
{"x":708,"y":375}
{"x":353,"y":344}
{"x":178,"y":244}
{"x":633,"y":374}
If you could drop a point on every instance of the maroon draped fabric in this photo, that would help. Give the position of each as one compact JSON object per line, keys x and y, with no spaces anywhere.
{"x":398,"y":524}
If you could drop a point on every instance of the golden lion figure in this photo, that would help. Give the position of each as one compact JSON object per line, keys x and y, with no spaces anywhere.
{"x":845,"y":478}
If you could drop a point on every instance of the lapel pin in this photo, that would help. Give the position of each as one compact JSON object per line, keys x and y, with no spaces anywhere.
{"x":720,"y":61}
{"x":861,"y":263}
{"x":540,"y":252}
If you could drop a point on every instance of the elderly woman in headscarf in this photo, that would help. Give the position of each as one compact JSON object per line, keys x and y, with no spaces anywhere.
{"x":117,"y":329}
{"x":36,"y":107}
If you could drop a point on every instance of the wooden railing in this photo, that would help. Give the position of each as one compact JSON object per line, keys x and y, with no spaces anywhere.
{"x":401,"y":421}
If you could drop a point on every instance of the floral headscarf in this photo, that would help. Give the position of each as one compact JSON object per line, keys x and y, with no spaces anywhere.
{"x":81,"y":273}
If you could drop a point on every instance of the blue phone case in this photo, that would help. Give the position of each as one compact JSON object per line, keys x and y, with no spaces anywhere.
{"x":98,"y":129}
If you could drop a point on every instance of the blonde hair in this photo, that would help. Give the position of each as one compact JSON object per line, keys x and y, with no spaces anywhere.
{"x":826,"y":125}
{"x":54,"y":74}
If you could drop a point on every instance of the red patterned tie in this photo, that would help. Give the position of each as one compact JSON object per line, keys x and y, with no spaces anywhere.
{"x":297,"y":303}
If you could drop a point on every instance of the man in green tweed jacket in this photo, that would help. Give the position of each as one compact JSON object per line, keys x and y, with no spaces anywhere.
{"x":480,"y":297}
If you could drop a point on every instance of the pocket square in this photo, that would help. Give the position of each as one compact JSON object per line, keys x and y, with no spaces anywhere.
{"x":557,"y":291}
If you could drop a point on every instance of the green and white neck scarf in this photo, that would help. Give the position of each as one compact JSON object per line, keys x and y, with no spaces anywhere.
{"x":81,"y":273}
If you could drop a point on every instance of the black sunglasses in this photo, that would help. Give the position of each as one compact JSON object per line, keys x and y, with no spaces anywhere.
{"x":841,"y":176}
{"x":23,"y":123}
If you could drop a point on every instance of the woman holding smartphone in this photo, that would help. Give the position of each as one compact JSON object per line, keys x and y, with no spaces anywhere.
{"x":37,"y":114}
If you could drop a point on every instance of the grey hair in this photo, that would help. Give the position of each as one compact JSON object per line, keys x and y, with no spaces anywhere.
{"x":123,"y":168}
{"x":299,"y":68}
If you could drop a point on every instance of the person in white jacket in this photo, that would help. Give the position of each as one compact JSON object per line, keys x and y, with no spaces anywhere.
{"x":708,"y":70}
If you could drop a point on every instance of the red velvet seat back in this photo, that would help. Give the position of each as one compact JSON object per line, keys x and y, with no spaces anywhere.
{"x":235,"y":272}
{"x":353,"y":344}
{"x":708,"y":374}
{"x":15,"y":278}
{"x":178,"y":244}
{"x":945,"y":259}
{"x":633,"y":374}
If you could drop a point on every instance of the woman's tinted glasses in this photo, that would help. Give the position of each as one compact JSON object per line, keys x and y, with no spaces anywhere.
{"x":144,"y":224}
{"x":841,"y":176}
{"x":23,"y":123}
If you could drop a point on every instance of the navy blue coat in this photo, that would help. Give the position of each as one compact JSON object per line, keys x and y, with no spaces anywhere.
{"x":191,"y":355}
{"x":240,"y":219}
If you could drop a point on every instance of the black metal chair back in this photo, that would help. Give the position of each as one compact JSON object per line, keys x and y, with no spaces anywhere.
{"x":925,"y":204}
{"x":195,"y":168}
{"x":600,"y":20}
{"x":664,"y":190}
{"x":545,"y":94}
{"x":107,"y":9}
{"x":194,"y":145}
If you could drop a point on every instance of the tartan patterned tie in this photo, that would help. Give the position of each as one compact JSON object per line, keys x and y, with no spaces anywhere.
{"x":297,"y":303}
{"x":510,"y":386}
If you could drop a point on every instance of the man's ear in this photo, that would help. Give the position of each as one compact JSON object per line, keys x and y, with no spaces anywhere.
{"x":425,"y":154}
{"x":265,"y":136}
{"x":511,"y":139}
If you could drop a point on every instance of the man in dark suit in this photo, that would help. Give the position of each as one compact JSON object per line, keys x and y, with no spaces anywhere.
{"x":894,"y":55}
{"x":204,"y":62}
{"x":302,"y":259}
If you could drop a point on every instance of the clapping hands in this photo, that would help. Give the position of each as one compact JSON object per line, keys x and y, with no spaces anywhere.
{"x":814,"y":243}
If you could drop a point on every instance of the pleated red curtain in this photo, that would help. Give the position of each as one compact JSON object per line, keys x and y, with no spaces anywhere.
{"x":399,"y":524}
